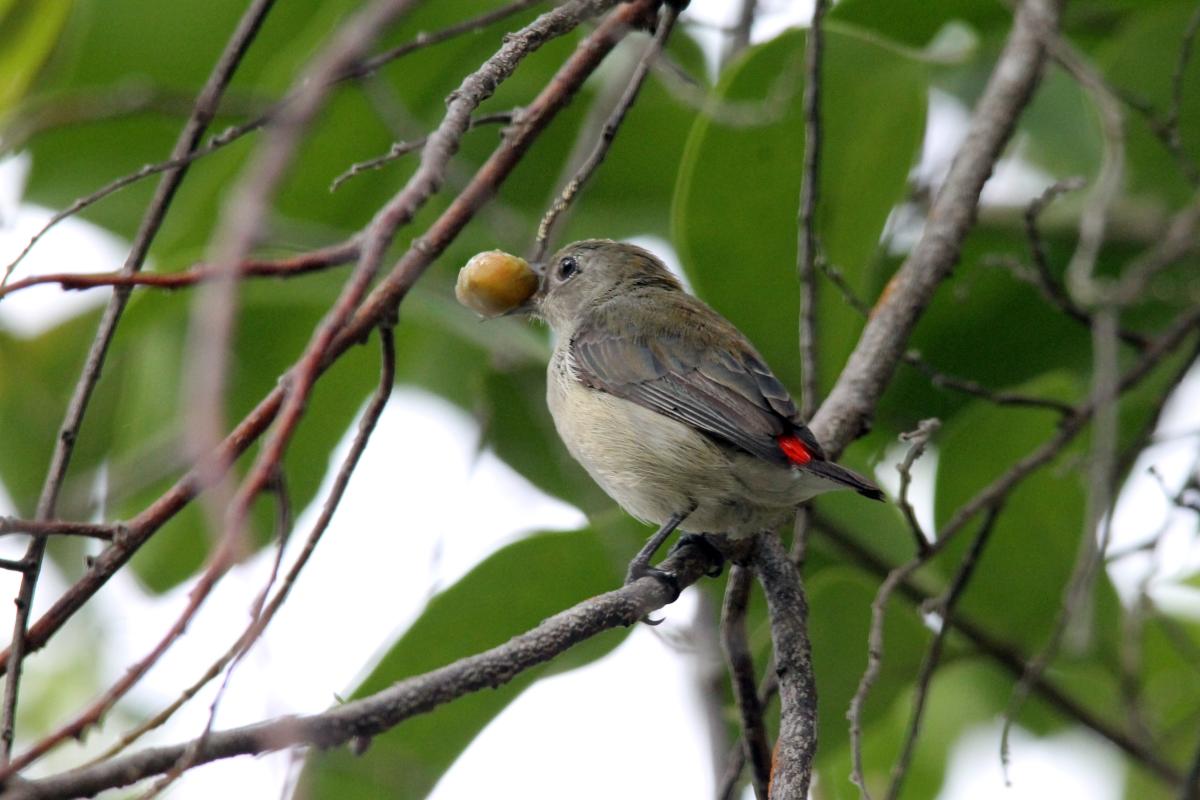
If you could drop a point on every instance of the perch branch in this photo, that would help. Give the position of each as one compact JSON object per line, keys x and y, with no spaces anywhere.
{"x":384,"y":710}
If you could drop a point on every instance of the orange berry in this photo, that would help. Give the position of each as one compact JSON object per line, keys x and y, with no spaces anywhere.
{"x":495,"y":282}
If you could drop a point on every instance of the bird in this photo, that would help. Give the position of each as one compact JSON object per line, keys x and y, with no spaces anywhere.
{"x":668,"y":406}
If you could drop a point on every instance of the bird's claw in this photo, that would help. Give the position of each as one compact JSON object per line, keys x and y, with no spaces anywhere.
{"x":702,"y":542}
{"x":638,"y":570}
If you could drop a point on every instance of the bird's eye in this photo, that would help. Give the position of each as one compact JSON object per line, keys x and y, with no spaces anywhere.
{"x":567,"y":267}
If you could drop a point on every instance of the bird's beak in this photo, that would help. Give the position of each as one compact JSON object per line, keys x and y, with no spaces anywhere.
{"x":533,"y":304}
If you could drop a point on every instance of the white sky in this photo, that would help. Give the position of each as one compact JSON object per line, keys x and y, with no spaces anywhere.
{"x":535,"y":747}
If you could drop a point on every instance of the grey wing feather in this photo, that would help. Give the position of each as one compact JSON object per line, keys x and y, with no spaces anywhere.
{"x":729,"y":395}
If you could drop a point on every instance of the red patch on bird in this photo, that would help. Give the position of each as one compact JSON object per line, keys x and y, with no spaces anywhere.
{"x":794,"y":449}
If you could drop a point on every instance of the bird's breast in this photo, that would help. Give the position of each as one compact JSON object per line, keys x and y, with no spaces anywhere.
{"x":655,"y":466}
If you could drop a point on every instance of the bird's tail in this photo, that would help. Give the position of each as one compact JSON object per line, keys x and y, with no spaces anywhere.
{"x":847,"y":477}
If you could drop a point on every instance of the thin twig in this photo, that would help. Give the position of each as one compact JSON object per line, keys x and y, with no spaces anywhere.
{"x":283,"y":527}
{"x":756,"y":749}
{"x":1040,"y":276}
{"x":355,"y":35}
{"x":847,"y":410}
{"x":1097,"y":527}
{"x":233,"y":133}
{"x":400,"y":149}
{"x":987,"y":497}
{"x":808,"y":246}
{"x":918,"y":440}
{"x":1171,"y":121}
{"x":1080,"y":276}
{"x":372,"y":64}
{"x":607,"y":134}
{"x":380,"y":305}
{"x":56,"y":527}
{"x":739,"y":34}
{"x":384,"y":710}
{"x":942,"y":380}
{"x":260,"y":621}
{"x":791,"y":770}
{"x":288,"y":267}
{"x":944,"y":606}
{"x":202,"y":113}
{"x":1010,"y":658}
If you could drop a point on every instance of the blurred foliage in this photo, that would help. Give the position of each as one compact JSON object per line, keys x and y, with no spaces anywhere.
{"x":718,"y":179}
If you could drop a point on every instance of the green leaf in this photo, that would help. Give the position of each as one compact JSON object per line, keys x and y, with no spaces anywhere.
{"x":1140,"y":58}
{"x":1043,"y":516}
{"x":28,"y":32}
{"x":512,"y":591}
{"x":737,"y":200}
{"x":915,"y":22}
{"x":840,"y":617}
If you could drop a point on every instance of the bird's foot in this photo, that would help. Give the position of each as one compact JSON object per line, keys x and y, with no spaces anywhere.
{"x":639,"y":569}
{"x":711,"y":551}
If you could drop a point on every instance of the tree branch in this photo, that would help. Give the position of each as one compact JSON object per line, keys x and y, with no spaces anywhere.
{"x":808,"y":246}
{"x":1009,"y":657}
{"x":379,"y":712}
{"x":754,"y":743}
{"x":202,"y":113}
{"x":379,"y":305}
{"x":847,"y":412}
{"x":788,"y":609}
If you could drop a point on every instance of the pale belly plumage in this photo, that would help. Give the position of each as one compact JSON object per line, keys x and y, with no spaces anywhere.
{"x":654,"y":466}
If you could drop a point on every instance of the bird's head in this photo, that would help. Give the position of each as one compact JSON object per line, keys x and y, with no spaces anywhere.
{"x":591,"y":272}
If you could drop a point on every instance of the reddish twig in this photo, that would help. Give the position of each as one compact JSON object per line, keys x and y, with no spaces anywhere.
{"x":202,"y":113}
{"x":377,"y":713}
{"x":260,"y":620}
{"x":57,"y":527}
{"x":232,"y":134}
{"x":288,"y":267}
{"x":378,"y":306}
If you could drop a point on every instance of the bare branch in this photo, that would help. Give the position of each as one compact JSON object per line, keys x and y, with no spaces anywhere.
{"x":918,"y":440}
{"x":56,"y":527}
{"x":400,"y":149}
{"x":942,"y":380}
{"x":847,"y":411}
{"x":1010,"y":658}
{"x":386,"y":709}
{"x":260,"y":620}
{"x":808,"y":246}
{"x":422,"y":40}
{"x":608,"y":133}
{"x":380,"y":305}
{"x":988,"y":497}
{"x":202,"y":113}
{"x":1097,"y":526}
{"x":797,"y":743}
{"x":232,"y":134}
{"x":944,"y":606}
{"x":289,"y":267}
{"x":756,"y":749}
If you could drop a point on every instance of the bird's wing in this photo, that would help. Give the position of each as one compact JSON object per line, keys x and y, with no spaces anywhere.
{"x":728,"y":394}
